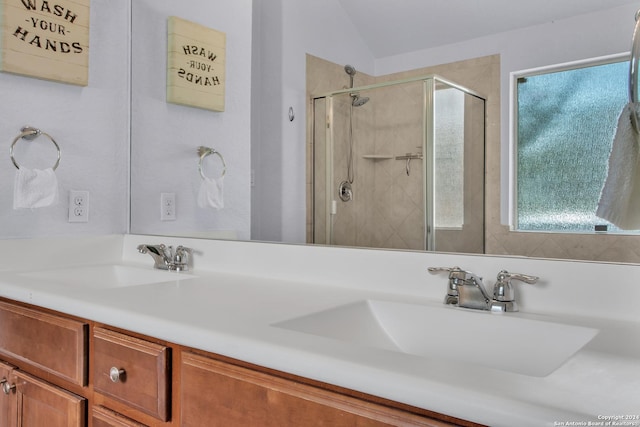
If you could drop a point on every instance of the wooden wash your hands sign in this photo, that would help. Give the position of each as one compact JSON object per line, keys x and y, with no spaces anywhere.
{"x":46,"y":39}
{"x":195,"y":65}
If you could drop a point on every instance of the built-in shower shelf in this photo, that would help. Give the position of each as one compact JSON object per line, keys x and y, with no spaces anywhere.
{"x":377,"y":156}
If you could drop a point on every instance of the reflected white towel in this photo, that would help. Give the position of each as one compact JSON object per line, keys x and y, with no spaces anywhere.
{"x":620,"y":197}
{"x":211,"y":193}
{"x":34,"y":188}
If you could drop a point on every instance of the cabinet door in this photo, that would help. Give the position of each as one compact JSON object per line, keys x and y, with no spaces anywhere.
{"x":8,"y":407}
{"x":103,"y":417}
{"x":53,"y":343}
{"x":42,"y":404}
{"x":214,"y":393}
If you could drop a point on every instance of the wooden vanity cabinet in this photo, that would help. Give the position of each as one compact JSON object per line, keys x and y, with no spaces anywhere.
{"x":214,"y":393}
{"x":41,"y":348}
{"x":59,"y":372}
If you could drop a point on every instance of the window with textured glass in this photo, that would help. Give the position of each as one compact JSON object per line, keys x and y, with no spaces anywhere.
{"x":565,"y":122}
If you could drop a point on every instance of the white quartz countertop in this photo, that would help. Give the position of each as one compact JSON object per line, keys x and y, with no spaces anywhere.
{"x":233,"y":313}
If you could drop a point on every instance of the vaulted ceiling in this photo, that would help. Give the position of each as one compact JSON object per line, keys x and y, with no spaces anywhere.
{"x":391,"y":27}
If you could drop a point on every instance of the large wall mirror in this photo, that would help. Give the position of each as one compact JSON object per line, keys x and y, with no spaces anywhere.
{"x":165,"y":137}
{"x":292,"y":50}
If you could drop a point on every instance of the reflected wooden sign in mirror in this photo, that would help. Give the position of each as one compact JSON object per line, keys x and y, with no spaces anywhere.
{"x":195,"y":65}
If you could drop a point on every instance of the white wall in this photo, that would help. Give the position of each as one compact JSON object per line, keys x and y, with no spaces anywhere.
{"x":290,"y":29}
{"x":165,"y":136}
{"x":91,"y":125}
{"x":266,"y":128}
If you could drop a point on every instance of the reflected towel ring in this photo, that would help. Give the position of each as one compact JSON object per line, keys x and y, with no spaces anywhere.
{"x":29,"y":133}
{"x":204,"y":152}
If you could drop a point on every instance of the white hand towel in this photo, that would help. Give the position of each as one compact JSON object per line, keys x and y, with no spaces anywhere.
{"x":34,"y":188}
{"x":211,"y":193}
{"x":620,"y":197}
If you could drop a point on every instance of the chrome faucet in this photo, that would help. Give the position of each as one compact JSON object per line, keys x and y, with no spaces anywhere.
{"x":503,"y":295}
{"x":165,"y":258}
{"x":466,"y":289}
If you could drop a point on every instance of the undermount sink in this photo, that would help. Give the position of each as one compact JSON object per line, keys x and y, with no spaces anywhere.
{"x":498,"y":341}
{"x":106,"y":276}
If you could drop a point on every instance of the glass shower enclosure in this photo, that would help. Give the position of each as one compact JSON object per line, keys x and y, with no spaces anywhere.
{"x":400,"y":165}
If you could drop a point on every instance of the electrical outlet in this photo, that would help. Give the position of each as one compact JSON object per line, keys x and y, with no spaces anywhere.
{"x":167,"y":206}
{"x":78,"y":206}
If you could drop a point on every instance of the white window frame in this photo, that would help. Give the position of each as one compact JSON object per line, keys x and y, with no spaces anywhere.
{"x":513,"y":121}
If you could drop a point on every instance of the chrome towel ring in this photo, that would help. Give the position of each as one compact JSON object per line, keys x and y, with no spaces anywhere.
{"x":29,"y":133}
{"x":204,"y":152}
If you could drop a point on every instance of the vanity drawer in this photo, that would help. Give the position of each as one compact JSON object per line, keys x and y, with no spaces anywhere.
{"x":55,"y":344}
{"x":132,"y":371}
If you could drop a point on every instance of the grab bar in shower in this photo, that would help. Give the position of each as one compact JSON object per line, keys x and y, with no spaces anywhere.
{"x":408,"y":157}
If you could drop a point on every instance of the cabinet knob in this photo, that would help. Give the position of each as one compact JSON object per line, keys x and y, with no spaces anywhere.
{"x":6,"y":387}
{"x":116,"y":374}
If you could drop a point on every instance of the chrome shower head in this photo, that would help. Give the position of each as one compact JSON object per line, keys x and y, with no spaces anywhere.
{"x":358,"y":101}
{"x":351,"y":71}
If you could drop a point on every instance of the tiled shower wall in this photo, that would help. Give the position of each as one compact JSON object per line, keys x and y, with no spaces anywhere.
{"x":398,"y":215}
{"x":387,"y":208}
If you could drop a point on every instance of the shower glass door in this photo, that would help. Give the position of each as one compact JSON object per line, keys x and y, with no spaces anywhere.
{"x":458,"y":170}
{"x":399,"y":165}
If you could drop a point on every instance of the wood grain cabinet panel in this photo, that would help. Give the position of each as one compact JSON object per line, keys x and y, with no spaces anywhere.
{"x":8,"y":404}
{"x":103,"y":417}
{"x":52,"y":343}
{"x":214,"y":393}
{"x":209,"y":390}
{"x":42,"y":404}
{"x":145,"y":378}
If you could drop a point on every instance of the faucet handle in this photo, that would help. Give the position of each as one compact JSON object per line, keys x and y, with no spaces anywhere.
{"x":503,"y":295}
{"x":455,"y":274}
{"x":503,"y":291}
{"x":181,"y":258}
{"x":181,"y":253}
{"x":505,"y":275}
{"x":453,"y":271}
